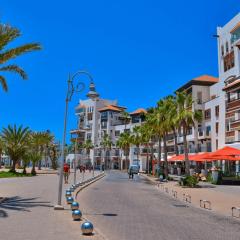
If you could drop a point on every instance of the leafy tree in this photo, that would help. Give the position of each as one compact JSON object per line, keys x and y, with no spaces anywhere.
{"x":7,"y":35}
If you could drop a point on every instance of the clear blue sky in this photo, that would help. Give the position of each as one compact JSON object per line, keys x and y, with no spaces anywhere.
{"x":137,"y":51}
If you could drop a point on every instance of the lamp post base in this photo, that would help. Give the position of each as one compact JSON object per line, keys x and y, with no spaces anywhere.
{"x":58,"y":207}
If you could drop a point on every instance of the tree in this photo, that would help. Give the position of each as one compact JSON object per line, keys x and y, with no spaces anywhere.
{"x":87,"y":145}
{"x":106,"y":144}
{"x":186,"y":119}
{"x":1,"y":149}
{"x":173,"y":120}
{"x":136,"y":139}
{"x":7,"y":35}
{"x":54,"y":154}
{"x":146,"y":132}
{"x":126,"y":118}
{"x":124,"y":142}
{"x":15,"y":142}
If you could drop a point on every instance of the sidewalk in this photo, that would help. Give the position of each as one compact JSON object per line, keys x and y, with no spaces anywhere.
{"x":222,"y":197}
{"x":28,"y":213}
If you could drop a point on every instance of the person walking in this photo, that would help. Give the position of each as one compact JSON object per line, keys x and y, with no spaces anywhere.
{"x":66,"y":172}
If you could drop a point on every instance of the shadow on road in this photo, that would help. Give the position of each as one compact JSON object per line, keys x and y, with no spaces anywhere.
{"x":20,"y":204}
{"x":102,"y":214}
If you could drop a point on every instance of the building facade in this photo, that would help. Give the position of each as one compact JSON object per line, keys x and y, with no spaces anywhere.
{"x":217,"y":98}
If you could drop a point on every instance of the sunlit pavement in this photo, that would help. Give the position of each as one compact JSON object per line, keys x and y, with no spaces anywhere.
{"x":28,"y":213}
{"x":134,"y":209}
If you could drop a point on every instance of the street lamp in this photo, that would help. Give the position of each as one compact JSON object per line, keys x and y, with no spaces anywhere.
{"x":72,"y":88}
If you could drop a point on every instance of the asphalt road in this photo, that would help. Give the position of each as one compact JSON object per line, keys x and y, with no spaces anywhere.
{"x":134,"y":209}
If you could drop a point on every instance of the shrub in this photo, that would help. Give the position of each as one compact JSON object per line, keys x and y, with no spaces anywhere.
{"x":189,"y":181}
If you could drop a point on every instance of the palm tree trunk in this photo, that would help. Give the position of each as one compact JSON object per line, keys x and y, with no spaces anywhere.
{"x":24,"y":168}
{"x":187,"y":164}
{"x":13,"y":168}
{"x":159,"y":152}
{"x":152,"y":156}
{"x":33,"y":171}
{"x":165,"y":156}
{"x":147,"y":159}
{"x":175,"y":142}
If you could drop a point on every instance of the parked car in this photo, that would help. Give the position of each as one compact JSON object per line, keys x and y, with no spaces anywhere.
{"x":134,"y":168}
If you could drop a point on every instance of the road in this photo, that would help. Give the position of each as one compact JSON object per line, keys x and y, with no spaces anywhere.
{"x":134,"y":209}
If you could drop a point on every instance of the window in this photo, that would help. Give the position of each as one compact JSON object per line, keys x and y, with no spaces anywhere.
{"x":208,"y":130}
{"x":227,"y":48}
{"x":217,"y":111}
{"x":117,"y":133}
{"x":90,"y":116}
{"x":216,"y":144}
{"x":222,"y":50}
{"x":217,"y":126}
{"x":199,"y":97}
{"x":200,"y":131}
{"x":207,"y":114}
{"x":229,"y":61}
{"x":89,"y":135}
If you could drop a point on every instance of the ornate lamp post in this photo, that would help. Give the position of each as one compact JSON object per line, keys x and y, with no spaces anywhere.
{"x":72,"y":88}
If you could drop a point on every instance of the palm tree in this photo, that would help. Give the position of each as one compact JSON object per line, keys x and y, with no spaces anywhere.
{"x":146,"y":132}
{"x":106,"y":144}
{"x":172,"y":119}
{"x":87,"y":145}
{"x":186,"y":119}
{"x":154,"y":121}
{"x":1,"y":150}
{"x":136,"y":139}
{"x":15,"y":141}
{"x":7,"y":35}
{"x":54,"y":154}
{"x":126,"y":118}
{"x":124,"y":142}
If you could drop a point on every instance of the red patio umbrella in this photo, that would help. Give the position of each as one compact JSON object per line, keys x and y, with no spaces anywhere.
{"x":226,"y":151}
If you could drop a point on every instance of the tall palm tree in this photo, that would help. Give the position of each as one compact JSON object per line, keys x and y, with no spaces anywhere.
{"x":88,"y":145}
{"x":124,"y":142}
{"x":146,"y":132}
{"x":7,"y":35}
{"x":154,"y":121}
{"x":173,"y":120}
{"x":1,"y":149}
{"x":136,"y":139}
{"x":186,"y":118}
{"x":106,"y":144}
{"x":15,"y":142}
{"x":126,"y":118}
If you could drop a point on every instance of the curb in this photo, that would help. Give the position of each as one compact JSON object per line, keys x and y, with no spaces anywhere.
{"x":87,"y":184}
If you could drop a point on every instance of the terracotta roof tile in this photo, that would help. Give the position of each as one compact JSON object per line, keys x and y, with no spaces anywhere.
{"x":206,"y":78}
{"x":138,"y":111}
{"x":110,"y":108}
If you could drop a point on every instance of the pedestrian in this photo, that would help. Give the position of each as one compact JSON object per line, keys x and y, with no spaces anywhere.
{"x":131,"y":175}
{"x":66,"y":172}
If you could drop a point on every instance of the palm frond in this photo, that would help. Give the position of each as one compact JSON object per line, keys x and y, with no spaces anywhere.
{"x":3,"y":82}
{"x":7,"y":34}
{"x":14,"y":69}
{"x":14,"y":52}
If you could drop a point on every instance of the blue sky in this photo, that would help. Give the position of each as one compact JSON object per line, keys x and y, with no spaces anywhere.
{"x":137,"y":51}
